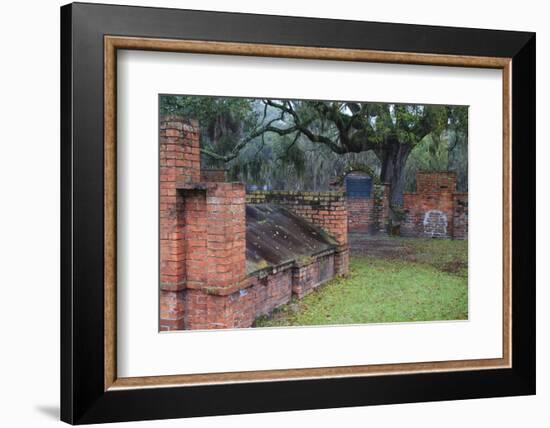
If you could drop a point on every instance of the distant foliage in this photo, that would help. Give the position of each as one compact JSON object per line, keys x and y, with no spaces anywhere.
{"x":449,"y":152}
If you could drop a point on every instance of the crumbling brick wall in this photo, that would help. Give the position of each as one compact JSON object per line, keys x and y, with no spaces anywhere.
{"x":460,"y":216}
{"x":203,"y":278}
{"x":202,"y":234}
{"x":213,"y":174}
{"x":215,"y":265}
{"x":369,"y":215}
{"x":308,"y":276}
{"x":324,"y":209}
{"x":436,"y":209}
{"x":179,"y":161}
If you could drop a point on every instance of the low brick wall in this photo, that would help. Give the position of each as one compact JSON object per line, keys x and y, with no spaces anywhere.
{"x":241,"y":308}
{"x":308,"y":277}
{"x":436,"y":210}
{"x":369,"y":215}
{"x":435,"y":182}
{"x":262,"y":293}
{"x":324,"y":209}
{"x":428,"y":215}
{"x":213,"y":175}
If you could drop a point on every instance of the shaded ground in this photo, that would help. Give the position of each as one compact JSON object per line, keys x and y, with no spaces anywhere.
{"x":391,"y":280}
{"x":443,"y":254}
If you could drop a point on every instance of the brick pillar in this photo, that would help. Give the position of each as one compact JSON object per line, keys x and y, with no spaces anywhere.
{"x":179,"y":161}
{"x":202,"y":235}
{"x":226,"y":236}
{"x":337,"y":225}
{"x":216,"y":264}
{"x":435,"y":182}
{"x":341,"y":261}
{"x":460,"y":215}
{"x":385,"y":208}
{"x":217,"y":175}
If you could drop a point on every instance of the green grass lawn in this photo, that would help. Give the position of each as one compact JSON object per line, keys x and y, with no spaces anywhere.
{"x":422,"y":280}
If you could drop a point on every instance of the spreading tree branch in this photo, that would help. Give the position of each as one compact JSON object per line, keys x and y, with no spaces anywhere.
{"x":242,"y":143}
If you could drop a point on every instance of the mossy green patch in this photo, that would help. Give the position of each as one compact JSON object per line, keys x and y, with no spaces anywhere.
{"x":387,"y":290}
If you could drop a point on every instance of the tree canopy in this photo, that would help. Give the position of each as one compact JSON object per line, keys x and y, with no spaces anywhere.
{"x":303,"y":143}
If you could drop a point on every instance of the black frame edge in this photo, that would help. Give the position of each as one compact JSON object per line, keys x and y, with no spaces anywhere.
{"x":83,"y":399}
{"x":66,"y":316}
{"x":303,"y":31}
{"x":524,"y":213}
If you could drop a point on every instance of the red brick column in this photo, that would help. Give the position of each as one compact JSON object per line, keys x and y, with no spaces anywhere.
{"x":435,"y":182}
{"x":217,"y":175}
{"x":460,"y":215}
{"x":335,"y":221}
{"x":179,"y":161}
{"x":226,"y":236}
{"x":202,"y":235}
{"x":382,"y":206}
{"x":216,"y":264}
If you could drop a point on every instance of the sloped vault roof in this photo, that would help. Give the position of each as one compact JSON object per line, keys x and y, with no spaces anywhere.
{"x":275,"y":236}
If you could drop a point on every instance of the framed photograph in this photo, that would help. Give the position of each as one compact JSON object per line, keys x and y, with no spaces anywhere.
{"x":265,"y":213}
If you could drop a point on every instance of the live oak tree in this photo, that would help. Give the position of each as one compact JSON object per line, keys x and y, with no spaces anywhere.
{"x":389,"y":130}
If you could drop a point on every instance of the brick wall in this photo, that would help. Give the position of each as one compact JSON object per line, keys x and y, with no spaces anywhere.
{"x":360,"y":215}
{"x":369,"y":215}
{"x":270,"y":290}
{"x":309,"y":276}
{"x":215,"y":246}
{"x":203,"y":280}
{"x":435,"y":182}
{"x":324,"y":209}
{"x":217,"y":175}
{"x":265,"y":294}
{"x":202,"y":233}
{"x":435,"y":209}
{"x":460,"y":216}
{"x":240,"y":309}
{"x":179,"y":161}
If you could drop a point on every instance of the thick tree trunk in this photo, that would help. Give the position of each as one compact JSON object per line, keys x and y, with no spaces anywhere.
{"x":393,"y":158}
